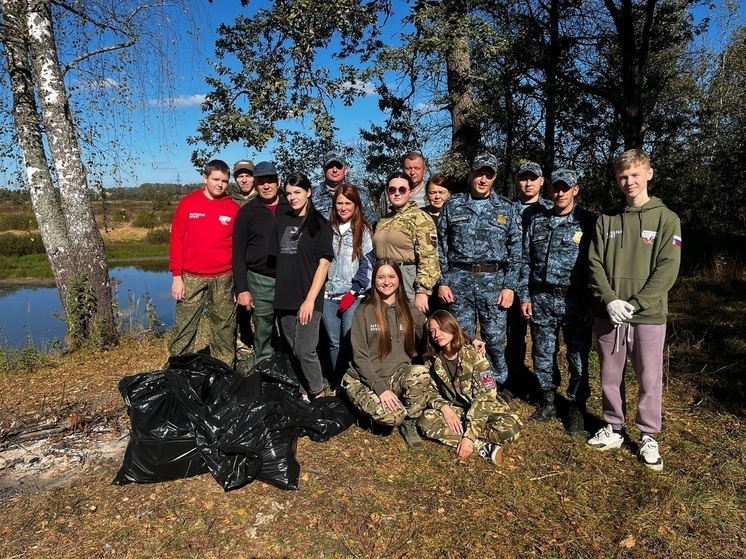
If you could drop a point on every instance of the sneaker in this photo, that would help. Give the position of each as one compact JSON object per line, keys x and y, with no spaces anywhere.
{"x":606,"y":439}
{"x":649,"y":455}
{"x":409,"y":433}
{"x":492,"y":453}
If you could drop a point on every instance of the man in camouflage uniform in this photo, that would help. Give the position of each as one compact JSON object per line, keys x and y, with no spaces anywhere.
{"x":555,"y":295}
{"x":243,"y":174}
{"x":335,"y":173}
{"x":472,"y":395}
{"x":529,"y":181}
{"x":480,"y":253}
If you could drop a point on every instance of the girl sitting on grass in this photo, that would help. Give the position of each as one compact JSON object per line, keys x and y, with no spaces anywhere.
{"x":464,"y":409}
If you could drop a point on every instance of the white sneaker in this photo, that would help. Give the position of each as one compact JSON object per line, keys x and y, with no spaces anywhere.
{"x":649,"y":455}
{"x":492,"y":453}
{"x":606,"y":439}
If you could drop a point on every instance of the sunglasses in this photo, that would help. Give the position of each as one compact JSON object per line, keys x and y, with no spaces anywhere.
{"x":336,"y":165}
{"x":402,"y":190}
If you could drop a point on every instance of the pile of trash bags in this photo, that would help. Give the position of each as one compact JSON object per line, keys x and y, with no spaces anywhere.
{"x":197,"y":415}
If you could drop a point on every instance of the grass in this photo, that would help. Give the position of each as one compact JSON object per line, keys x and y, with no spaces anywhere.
{"x":368,"y":496}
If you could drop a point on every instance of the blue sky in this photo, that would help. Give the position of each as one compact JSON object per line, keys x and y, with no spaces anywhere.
{"x":157,"y":143}
{"x":164,"y":153}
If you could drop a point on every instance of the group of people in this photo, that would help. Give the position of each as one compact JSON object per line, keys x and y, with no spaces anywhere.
{"x":425,"y":299}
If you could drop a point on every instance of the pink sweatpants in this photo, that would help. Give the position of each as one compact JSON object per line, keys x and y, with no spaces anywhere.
{"x":644,"y":344}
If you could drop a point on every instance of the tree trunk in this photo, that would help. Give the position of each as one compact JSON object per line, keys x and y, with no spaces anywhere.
{"x":465,"y":134}
{"x":72,"y":240}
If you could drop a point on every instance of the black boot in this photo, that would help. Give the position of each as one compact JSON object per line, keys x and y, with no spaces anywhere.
{"x":504,"y":393}
{"x":576,"y":419}
{"x":546,"y":411}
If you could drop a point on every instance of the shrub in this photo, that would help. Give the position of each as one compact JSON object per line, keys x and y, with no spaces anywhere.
{"x":148,"y":220}
{"x":158,"y":236}
{"x":17,"y":222}
{"x":20,"y":245}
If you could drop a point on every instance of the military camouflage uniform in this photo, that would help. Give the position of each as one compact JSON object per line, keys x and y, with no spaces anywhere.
{"x":480,"y":253}
{"x":240,"y":199}
{"x":408,"y":382}
{"x":409,"y":236}
{"x":554,"y":274}
{"x":473,"y":396}
{"x":515,"y":348}
{"x":222,"y":309}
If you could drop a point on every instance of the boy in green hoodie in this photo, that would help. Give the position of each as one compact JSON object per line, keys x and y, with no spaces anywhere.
{"x":634,"y":261}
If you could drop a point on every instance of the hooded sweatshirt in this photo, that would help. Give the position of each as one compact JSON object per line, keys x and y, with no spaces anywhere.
{"x":635,"y":256}
{"x":366,"y":365}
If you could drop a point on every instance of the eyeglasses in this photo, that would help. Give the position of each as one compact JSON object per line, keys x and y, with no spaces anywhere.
{"x":402,"y":190}
{"x":335,"y":165}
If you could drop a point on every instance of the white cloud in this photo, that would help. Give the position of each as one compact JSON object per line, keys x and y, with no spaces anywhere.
{"x":365,"y":89}
{"x":180,"y":101}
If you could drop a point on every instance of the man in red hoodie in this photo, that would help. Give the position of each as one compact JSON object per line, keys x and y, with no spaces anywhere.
{"x":201,"y":263}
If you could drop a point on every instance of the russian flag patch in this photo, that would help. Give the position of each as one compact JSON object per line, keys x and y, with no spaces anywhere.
{"x":677,"y":241}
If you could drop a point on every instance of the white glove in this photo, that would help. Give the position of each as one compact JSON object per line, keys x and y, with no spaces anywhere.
{"x":619,"y":311}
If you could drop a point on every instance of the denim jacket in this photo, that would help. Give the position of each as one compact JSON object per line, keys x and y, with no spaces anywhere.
{"x":346,"y":274}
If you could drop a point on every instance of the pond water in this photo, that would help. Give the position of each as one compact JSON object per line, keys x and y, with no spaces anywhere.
{"x":30,"y":316}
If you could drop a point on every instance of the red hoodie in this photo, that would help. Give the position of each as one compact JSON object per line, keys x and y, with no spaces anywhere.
{"x":202,"y":235}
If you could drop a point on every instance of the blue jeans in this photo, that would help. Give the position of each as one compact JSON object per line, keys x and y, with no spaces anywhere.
{"x":338,"y":329}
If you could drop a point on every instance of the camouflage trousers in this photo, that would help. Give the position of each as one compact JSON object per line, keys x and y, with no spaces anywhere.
{"x":475,"y":298}
{"x":492,"y":422}
{"x":215,"y":294}
{"x":409,"y":382}
{"x":552,"y":313}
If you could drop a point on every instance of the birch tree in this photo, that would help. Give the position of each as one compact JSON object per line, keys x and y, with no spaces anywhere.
{"x":48,"y":137}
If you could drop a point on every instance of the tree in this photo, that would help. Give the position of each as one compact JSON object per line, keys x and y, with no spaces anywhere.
{"x":49,"y":137}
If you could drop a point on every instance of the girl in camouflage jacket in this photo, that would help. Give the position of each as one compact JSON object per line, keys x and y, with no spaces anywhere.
{"x":464,"y":409}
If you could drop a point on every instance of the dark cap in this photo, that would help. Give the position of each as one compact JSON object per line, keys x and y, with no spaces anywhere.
{"x":530,"y":167}
{"x":265,"y":169}
{"x":243,"y":165}
{"x":568,"y":176}
{"x":332,"y":157}
{"x":485,"y":160}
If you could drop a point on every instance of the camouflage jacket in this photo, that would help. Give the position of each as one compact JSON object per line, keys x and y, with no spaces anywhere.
{"x":483,"y":231}
{"x":473,"y":389}
{"x":555,"y":251}
{"x":420,"y":229}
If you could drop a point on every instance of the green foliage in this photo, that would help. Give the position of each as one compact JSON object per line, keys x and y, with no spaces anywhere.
{"x":148,"y":220}
{"x":24,"y":221}
{"x":159,"y":236}
{"x":21,"y":360}
{"x":21,"y":245}
{"x":80,"y":310}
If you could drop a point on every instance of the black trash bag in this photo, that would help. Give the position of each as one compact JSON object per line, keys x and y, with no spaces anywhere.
{"x":278,"y":370}
{"x":162,"y":442}
{"x":279,"y":465}
{"x":228,"y":421}
{"x":230,"y":440}
{"x":331,"y":417}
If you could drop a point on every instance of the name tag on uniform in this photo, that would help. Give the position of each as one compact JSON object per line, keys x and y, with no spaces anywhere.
{"x":487,"y":381}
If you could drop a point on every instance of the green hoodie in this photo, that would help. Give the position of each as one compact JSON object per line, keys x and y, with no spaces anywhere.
{"x":635,"y":256}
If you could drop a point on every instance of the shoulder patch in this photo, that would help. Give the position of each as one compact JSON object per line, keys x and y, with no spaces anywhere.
{"x":434,"y":239}
{"x":677,"y":241}
{"x":487,"y":381}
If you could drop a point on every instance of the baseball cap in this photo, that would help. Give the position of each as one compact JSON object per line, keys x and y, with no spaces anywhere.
{"x":568,"y":176}
{"x":243,"y":165}
{"x":332,"y":156}
{"x":485,"y":160}
{"x":265,"y":169}
{"x":530,"y":167}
